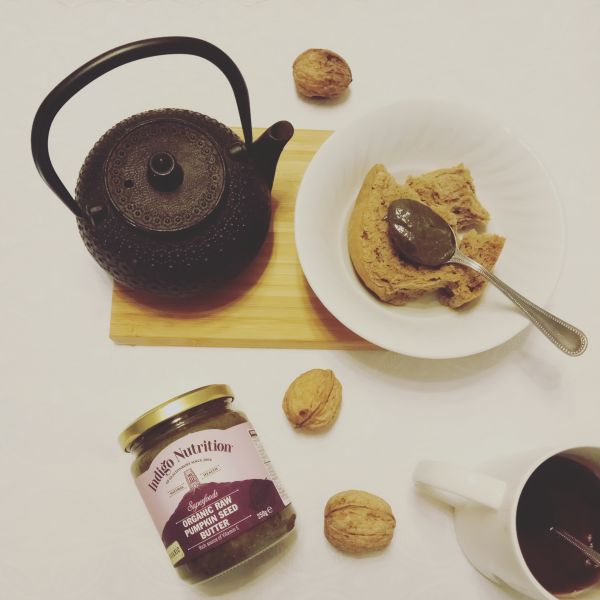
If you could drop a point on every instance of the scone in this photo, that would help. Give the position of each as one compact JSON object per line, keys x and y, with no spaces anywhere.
{"x":396,"y":281}
{"x":452,"y":188}
{"x":464,"y":284}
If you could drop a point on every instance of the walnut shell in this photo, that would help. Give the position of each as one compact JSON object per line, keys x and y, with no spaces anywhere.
{"x":358,"y":522}
{"x":313,"y":400}
{"x":321,"y":73}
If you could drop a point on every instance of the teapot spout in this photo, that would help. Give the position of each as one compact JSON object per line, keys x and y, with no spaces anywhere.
{"x":267,"y":148}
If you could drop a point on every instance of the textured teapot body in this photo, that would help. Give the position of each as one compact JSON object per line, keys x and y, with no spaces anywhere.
{"x":169,"y":257}
{"x":168,"y":201}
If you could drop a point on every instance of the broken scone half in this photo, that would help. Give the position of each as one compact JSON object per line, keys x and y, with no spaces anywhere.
{"x":450,"y":193}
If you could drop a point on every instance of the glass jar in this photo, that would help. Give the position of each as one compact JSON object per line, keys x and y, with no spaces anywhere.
{"x":207,"y":482}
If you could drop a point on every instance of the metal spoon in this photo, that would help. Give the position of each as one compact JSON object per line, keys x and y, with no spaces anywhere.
{"x":422,"y":237}
{"x":592,"y":555}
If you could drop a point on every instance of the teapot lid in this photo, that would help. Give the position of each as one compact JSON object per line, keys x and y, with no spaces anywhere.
{"x":166,"y":173}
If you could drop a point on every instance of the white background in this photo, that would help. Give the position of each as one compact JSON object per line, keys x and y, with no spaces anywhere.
{"x":71,"y":523}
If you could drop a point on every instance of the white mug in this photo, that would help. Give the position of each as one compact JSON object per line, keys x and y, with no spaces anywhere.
{"x":485,"y":515}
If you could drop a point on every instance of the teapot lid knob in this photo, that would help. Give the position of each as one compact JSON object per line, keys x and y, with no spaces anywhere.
{"x":164,"y":172}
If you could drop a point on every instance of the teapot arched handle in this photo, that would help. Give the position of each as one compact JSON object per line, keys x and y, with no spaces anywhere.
{"x":103,"y":63}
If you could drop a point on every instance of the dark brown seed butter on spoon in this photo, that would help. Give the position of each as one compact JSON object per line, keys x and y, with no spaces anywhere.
{"x":419,"y":234}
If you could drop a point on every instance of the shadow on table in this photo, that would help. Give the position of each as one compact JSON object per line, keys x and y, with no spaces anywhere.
{"x":443,"y":507}
{"x":451,"y":371}
{"x":253,"y":569}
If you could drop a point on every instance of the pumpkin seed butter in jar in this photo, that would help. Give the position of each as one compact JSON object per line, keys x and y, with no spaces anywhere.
{"x":207,"y":482}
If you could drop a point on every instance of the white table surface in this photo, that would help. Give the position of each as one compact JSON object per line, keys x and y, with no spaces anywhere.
{"x":71,"y":522}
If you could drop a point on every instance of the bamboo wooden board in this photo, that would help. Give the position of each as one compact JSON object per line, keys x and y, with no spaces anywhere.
{"x":270,"y":305}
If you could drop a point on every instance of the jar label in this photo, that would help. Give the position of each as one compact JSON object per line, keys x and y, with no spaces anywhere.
{"x":208,"y":487}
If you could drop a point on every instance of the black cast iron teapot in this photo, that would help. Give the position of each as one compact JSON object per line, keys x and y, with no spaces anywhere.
{"x":169,"y":201}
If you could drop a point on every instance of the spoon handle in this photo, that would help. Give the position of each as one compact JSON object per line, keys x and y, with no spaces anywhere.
{"x":566,"y":337}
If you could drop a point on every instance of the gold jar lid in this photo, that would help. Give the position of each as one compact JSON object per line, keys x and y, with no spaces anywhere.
{"x":171,"y":408}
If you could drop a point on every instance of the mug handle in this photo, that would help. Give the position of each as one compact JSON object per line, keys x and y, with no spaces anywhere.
{"x":457,"y":486}
{"x":116,"y":57}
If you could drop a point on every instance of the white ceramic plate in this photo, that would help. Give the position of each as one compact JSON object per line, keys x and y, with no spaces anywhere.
{"x":411,"y":138}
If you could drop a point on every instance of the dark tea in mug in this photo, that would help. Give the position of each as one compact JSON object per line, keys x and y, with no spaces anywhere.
{"x":562,"y":493}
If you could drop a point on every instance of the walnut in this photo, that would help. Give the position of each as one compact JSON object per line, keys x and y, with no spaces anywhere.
{"x":313,"y":400}
{"x":320,"y":73}
{"x":358,"y":522}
